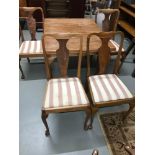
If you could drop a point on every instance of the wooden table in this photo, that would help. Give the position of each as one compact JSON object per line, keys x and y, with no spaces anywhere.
{"x":72,"y":26}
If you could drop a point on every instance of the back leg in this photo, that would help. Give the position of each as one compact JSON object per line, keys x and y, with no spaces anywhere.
{"x":20,"y":68}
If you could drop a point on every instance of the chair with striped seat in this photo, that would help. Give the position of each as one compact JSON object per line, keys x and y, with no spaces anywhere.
{"x":107,"y":89}
{"x":108,"y":19}
{"x":64,"y":94}
{"x":32,"y":48}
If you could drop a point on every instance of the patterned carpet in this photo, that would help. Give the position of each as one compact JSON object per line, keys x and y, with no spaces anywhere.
{"x":118,"y":133}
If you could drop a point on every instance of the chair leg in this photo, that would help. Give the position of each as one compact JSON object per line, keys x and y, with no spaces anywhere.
{"x":88,"y":116}
{"x":95,"y":152}
{"x":28,"y":60}
{"x":132,"y":105}
{"x":132,"y":44}
{"x":20,"y":68}
{"x":94,"y":111}
{"x":133,"y":73}
{"x":44,"y":117}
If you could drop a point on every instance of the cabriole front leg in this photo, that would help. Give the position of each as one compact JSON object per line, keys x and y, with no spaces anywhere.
{"x":88,"y":117}
{"x":131,"y":107}
{"x":44,"y":117}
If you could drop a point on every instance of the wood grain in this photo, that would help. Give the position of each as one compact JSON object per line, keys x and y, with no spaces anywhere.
{"x":73,"y":26}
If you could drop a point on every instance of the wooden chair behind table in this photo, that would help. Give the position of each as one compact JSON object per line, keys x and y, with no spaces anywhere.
{"x":63,"y":94}
{"x":109,"y":23}
{"x":107,"y":89}
{"x":30,"y":48}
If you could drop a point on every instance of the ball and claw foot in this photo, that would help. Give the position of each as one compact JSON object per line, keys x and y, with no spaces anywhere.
{"x":22,"y":77}
{"x":47,"y":133}
{"x":87,"y":127}
{"x":90,"y":126}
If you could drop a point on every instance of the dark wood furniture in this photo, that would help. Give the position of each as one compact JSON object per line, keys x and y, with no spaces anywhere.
{"x":114,"y":4}
{"x":57,"y":8}
{"x":107,"y":89}
{"x":77,"y":8}
{"x":105,"y":4}
{"x":60,"y":8}
{"x":71,"y":26}
{"x":126,"y":21}
{"x":33,"y":47}
{"x":64,"y":94}
{"x":22,"y":3}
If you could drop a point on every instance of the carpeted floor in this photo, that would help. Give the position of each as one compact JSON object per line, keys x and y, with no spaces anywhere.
{"x":118,"y":134}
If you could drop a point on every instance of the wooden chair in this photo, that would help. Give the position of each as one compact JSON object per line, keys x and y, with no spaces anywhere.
{"x":109,"y":23}
{"x":33,"y":48}
{"x":64,"y":94}
{"x":107,"y":89}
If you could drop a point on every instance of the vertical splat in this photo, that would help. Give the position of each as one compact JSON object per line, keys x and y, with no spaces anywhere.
{"x":110,"y":21}
{"x":27,"y":13}
{"x":62,"y":52}
{"x":104,"y":55}
{"x":104,"y":52}
{"x":31,"y":22}
{"x":114,"y":19}
{"x":63,"y":57}
{"x":106,"y":23}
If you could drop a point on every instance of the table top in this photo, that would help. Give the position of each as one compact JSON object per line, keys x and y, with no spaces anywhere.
{"x":72,"y":26}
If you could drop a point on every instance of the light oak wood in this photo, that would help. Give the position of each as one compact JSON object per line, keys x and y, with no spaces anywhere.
{"x":103,"y":62}
{"x":74,"y":26}
{"x":109,"y":23}
{"x":63,"y":55}
{"x":27,"y":13}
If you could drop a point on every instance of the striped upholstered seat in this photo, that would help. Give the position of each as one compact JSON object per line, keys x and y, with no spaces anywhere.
{"x":65,"y":92}
{"x":107,"y":88}
{"x":31,"y":48}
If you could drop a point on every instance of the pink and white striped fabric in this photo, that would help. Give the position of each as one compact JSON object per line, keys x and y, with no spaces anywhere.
{"x":116,"y":45}
{"x":65,"y":92}
{"x":108,"y":87}
{"x":31,"y":47}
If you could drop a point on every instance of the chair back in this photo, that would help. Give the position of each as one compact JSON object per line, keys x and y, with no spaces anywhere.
{"x":63,"y":46}
{"x":27,"y":13}
{"x":104,"y":51}
{"x":109,"y":23}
